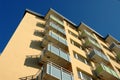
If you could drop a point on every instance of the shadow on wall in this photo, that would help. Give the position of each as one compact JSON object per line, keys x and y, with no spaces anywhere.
{"x":36,"y":44}
{"x":40,"y":25}
{"x":39,"y":33}
{"x":32,"y":61}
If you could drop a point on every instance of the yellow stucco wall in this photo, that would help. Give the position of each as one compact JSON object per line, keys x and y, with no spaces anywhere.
{"x":13,"y":63}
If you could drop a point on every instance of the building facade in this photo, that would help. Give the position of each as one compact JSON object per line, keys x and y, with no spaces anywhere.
{"x":51,"y":47}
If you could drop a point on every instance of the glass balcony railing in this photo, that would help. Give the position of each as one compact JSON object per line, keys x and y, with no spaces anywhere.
{"x":52,"y":71}
{"x":57,"y":20}
{"x":57,"y":28}
{"x":57,"y":37}
{"x":56,"y":55}
{"x":106,"y":72}
{"x":58,"y":52}
{"x":91,"y":43}
{"x":86,"y":34}
{"x":98,"y":56}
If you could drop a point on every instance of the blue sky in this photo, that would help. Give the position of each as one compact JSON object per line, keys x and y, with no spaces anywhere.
{"x":101,"y":15}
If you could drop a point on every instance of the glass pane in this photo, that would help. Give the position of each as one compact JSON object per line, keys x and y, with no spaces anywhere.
{"x":68,"y":58}
{"x":63,"y":55}
{"x":114,"y":73}
{"x":48,"y":69}
{"x":89,"y":33}
{"x":50,"y":33}
{"x":107,"y":69}
{"x":49,"y":47}
{"x":61,"y":30}
{"x":62,"y":40}
{"x":55,"y":36}
{"x":53,"y":25}
{"x":98,"y":53}
{"x":57,"y":20}
{"x":55,"y":50}
{"x":105,"y":57}
{"x":66,"y":76}
{"x":56,"y":72}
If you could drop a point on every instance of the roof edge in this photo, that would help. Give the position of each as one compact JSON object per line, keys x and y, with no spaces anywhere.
{"x":42,"y":16}
{"x":91,"y":29}
{"x":34,"y":13}
{"x":62,"y":16}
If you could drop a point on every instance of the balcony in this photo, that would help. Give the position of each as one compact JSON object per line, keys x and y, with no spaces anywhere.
{"x":115,"y":47}
{"x":106,"y":73}
{"x":56,"y":27}
{"x":56,"y":20}
{"x":52,"y":71}
{"x":98,"y":56}
{"x":56,"y":39}
{"x":91,"y":43}
{"x":118,"y":57}
{"x":56,"y":55}
{"x":85,"y":34}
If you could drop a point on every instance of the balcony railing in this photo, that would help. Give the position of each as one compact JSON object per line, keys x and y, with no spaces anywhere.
{"x":57,"y":27}
{"x":52,"y":37}
{"x":98,"y":56}
{"x":115,"y":47}
{"x":91,"y":43}
{"x":106,"y":73}
{"x":56,"y":55}
{"x":52,"y":71}
{"x":57,"y":20}
{"x":86,"y":34}
{"x":57,"y":37}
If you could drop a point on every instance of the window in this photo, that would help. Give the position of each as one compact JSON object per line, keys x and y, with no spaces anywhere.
{"x":84,"y":76}
{"x":75,"y":44}
{"x":73,"y":34}
{"x":80,"y":58}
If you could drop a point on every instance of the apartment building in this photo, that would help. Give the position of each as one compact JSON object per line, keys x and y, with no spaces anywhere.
{"x":51,"y":47}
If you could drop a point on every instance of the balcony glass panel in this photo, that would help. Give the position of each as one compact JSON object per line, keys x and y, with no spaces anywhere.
{"x":61,"y":30}
{"x":66,"y":76}
{"x":58,"y":72}
{"x":93,"y":42}
{"x":105,"y":57}
{"x":89,"y":34}
{"x":54,"y":35}
{"x":107,"y":69}
{"x":57,"y":27}
{"x":48,"y":69}
{"x":59,"y":52}
{"x":57,"y":37}
{"x":63,"y":55}
{"x":57,"y":20}
{"x":53,"y":25}
{"x":54,"y":50}
{"x":101,"y":54}
{"x":62,"y":40}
